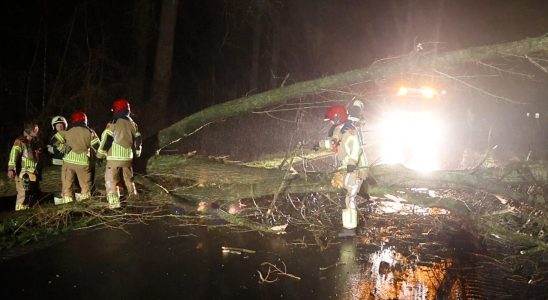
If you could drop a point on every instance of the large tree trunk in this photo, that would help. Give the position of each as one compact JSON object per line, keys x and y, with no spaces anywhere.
{"x":143,"y":20}
{"x":202,"y":179}
{"x":274,"y":47}
{"x":256,"y":46}
{"x":156,"y":112}
{"x":377,"y":71}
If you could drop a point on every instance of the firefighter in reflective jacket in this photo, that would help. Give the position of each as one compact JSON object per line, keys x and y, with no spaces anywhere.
{"x":23,"y":164}
{"x":78,"y":143}
{"x":344,"y":139}
{"x":120,"y":143}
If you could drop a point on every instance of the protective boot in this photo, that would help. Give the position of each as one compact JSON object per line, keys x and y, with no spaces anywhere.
{"x":58,"y":200}
{"x":67,"y":199}
{"x":82,"y":196}
{"x":113,"y":201}
{"x":21,"y":207}
{"x":350,"y":222}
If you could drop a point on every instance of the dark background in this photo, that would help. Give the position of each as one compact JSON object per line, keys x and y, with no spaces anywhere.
{"x":58,"y":56}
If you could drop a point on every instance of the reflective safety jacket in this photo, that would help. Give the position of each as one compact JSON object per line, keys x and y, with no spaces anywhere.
{"x":24,"y":155}
{"x":77,"y":143}
{"x":120,"y":142}
{"x":56,"y":155}
{"x":346,"y":142}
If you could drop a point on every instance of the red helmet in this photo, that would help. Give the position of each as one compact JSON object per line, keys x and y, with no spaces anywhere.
{"x":120,"y":104}
{"x":78,"y":117}
{"x":336,"y":114}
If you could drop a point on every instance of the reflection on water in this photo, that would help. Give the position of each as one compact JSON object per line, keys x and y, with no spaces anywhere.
{"x":387,"y":274}
{"x":159,"y":261}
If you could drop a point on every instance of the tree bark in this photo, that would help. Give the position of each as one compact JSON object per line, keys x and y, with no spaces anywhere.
{"x":376,"y":71}
{"x":142,"y":15}
{"x":156,"y":110}
{"x":256,"y":46}
{"x":274,"y":47}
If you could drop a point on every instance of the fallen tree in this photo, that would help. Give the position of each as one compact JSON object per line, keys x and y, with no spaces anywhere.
{"x":416,"y":62}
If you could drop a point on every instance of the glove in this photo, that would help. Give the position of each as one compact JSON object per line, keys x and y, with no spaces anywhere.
{"x":50,"y":149}
{"x":316,"y":147}
{"x":350,"y":168}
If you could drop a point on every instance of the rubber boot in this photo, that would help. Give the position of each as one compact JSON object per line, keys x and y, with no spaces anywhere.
{"x":347,"y":233}
{"x":350,"y":222}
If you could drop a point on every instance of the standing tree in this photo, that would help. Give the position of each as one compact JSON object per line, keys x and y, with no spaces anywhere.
{"x":157,"y":106}
{"x":142,"y":20}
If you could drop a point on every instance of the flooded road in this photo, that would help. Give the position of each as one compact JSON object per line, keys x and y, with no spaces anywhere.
{"x":158,"y":261}
{"x":163,"y":260}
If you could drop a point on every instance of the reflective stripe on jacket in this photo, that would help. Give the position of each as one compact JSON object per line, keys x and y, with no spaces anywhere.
{"x":22,"y":154}
{"x":80,"y":140}
{"x":122,"y":134}
{"x":350,"y":149}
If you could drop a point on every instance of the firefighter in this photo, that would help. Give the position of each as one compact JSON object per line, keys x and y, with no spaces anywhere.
{"x":78,"y":143}
{"x":344,"y":139}
{"x":23,"y":166}
{"x":120,"y":143}
{"x":58,"y":123}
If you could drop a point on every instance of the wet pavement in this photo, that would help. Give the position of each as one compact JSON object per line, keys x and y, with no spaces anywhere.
{"x":165,"y":260}
{"x":159,"y":261}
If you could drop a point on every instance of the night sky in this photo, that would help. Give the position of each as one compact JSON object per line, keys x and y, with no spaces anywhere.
{"x":58,"y":56}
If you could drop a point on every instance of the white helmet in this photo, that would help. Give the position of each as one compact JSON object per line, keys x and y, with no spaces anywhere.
{"x":57,"y":120}
{"x":355,"y":111}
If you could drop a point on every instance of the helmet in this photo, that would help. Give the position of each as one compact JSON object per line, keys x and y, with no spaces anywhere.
{"x":336,"y":114}
{"x":120,"y":104}
{"x":57,"y":120}
{"x":355,"y":111}
{"x":79,"y":117}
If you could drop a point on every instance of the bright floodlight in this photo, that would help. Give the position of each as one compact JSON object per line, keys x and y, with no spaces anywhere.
{"x":402,"y":91}
{"x":427,"y":92}
{"x":411,"y":139}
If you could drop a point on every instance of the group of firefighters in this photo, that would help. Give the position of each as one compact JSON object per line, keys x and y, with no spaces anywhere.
{"x":75,"y":147}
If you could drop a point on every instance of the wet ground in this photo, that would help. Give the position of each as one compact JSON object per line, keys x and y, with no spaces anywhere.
{"x":163,"y":260}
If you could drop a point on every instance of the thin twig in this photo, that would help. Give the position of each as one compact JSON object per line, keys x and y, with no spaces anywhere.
{"x":536,"y":64}
{"x":184,"y":135}
{"x":479,"y":89}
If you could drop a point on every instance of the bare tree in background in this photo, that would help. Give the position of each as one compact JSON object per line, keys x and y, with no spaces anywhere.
{"x":143,"y":22}
{"x":157,"y":106}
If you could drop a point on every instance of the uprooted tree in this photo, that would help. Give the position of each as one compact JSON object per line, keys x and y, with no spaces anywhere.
{"x":193,"y":179}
